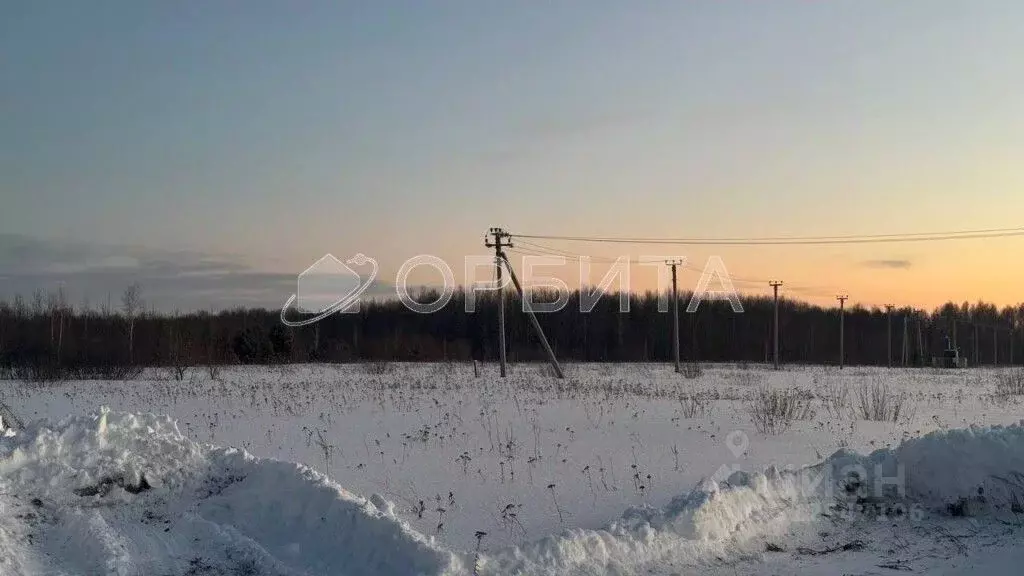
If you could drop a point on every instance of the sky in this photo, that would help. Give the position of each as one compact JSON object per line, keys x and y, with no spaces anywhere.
{"x":213,"y":151}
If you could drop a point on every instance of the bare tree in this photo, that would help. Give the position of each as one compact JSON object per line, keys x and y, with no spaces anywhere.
{"x":62,"y":311}
{"x":181,"y":348}
{"x":52,"y":309}
{"x":38,"y":305}
{"x":20,"y":307}
{"x":131,"y":302}
{"x":86,"y":308}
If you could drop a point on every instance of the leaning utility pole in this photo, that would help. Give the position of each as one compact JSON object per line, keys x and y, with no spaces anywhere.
{"x":775,"y":288}
{"x":533,"y":319}
{"x":499,"y":235}
{"x":888,"y":311}
{"x":675,"y":313}
{"x":842,"y":317}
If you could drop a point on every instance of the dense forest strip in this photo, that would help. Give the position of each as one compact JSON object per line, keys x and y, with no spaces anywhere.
{"x":45,"y":337}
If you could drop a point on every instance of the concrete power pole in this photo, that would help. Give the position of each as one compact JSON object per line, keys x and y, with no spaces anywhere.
{"x":977,"y":358}
{"x":500,"y":241}
{"x":920,"y":344}
{"x":775,"y":288}
{"x":503,"y":239}
{"x":888,"y":312}
{"x":675,"y":314}
{"x":905,"y":340}
{"x":533,"y":320}
{"x":842,"y":329}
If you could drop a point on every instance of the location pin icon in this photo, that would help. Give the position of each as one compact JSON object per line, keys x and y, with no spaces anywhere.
{"x":737,"y":443}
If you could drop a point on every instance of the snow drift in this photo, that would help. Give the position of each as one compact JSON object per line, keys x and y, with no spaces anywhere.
{"x":973,"y":471}
{"x":128,"y":494}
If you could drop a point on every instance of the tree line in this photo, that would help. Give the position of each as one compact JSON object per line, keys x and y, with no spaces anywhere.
{"x":46,"y":337}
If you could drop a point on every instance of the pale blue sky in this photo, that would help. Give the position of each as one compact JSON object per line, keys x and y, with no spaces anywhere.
{"x":269,"y":133}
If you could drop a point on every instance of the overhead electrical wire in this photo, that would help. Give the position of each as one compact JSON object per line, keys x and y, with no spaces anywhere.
{"x":791,"y":240}
{"x":542,"y":250}
{"x":527,"y":248}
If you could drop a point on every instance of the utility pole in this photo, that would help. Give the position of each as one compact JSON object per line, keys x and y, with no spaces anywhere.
{"x":920,"y":344}
{"x":995,"y":346}
{"x":533,"y":320}
{"x":905,"y":340}
{"x":500,"y":237}
{"x":1011,"y":341}
{"x":977,"y":358}
{"x":675,"y":313}
{"x":842,"y":331}
{"x":775,"y":288}
{"x":888,"y":312}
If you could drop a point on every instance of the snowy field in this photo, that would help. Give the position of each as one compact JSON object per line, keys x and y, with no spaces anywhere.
{"x":619,"y":469}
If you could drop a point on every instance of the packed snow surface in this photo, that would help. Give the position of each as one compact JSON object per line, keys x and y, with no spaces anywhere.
{"x":122,"y":493}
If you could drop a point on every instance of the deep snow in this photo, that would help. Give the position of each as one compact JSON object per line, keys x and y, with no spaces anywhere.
{"x":119,"y":493}
{"x":941,"y":503}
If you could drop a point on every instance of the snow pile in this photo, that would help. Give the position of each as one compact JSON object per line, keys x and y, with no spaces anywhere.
{"x":128,"y":494}
{"x":962,"y":472}
{"x":980,"y":464}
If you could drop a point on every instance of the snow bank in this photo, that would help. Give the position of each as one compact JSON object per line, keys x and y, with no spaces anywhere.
{"x":128,"y":494}
{"x":980,"y":464}
{"x":964,"y":472}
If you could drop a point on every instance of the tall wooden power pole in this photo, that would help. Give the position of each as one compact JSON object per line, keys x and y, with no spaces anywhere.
{"x":501,"y":240}
{"x":775,"y":288}
{"x":842,"y":329}
{"x":675,"y":314}
{"x":888,"y":311}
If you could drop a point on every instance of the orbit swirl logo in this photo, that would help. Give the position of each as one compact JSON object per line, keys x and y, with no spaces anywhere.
{"x":327,"y":287}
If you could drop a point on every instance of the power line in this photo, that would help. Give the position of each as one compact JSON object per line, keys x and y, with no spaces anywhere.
{"x":793,"y":240}
{"x":581,"y":257}
{"x":537,"y":249}
{"x":607,"y":260}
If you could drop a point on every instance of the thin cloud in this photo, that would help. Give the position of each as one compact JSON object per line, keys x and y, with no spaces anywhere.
{"x":890,"y":264}
{"x":170,"y":280}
